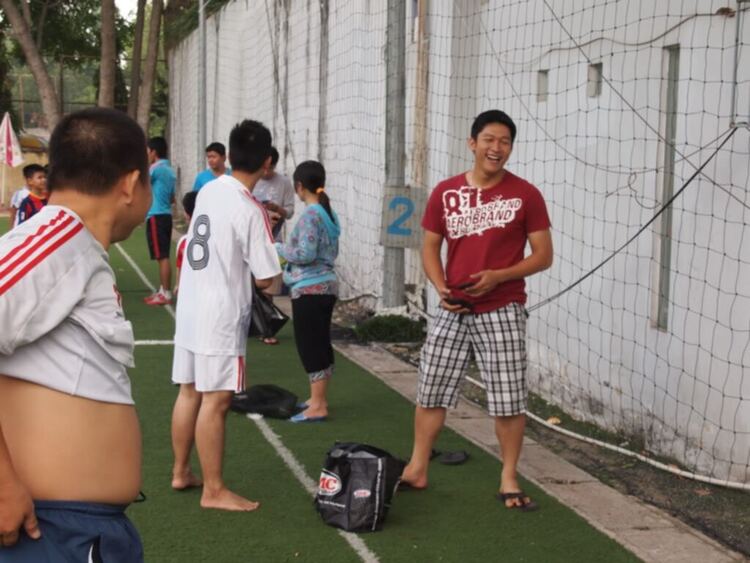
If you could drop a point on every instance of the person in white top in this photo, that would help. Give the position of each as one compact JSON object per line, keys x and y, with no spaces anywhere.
{"x":276,"y":193}
{"x":15,"y":203}
{"x":229,"y":242}
{"x":69,"y":434}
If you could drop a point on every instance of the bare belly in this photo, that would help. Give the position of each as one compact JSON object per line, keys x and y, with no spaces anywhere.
{"x":69,"y":448}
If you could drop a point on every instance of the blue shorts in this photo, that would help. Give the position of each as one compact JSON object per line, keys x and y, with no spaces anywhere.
{"x":78,"y":532}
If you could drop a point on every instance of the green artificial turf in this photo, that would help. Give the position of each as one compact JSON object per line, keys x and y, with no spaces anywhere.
{"x":456,"y":519}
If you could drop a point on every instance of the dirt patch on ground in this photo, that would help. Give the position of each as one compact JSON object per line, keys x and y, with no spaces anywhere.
{"x":723,"y":514}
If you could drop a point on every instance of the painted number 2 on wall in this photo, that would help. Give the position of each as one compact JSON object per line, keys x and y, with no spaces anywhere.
{"x":405,"y":205}
{"x":402,"y":212}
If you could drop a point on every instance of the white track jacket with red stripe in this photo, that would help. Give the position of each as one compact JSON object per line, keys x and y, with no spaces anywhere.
{"x":61,"y":319}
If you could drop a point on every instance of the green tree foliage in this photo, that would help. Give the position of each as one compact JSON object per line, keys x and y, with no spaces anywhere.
{"x":69,"y":29}
{"x":181,"y":17}
{"x":69,"y":40}
{"x":6,"y":94}
{"x":67,"y":34}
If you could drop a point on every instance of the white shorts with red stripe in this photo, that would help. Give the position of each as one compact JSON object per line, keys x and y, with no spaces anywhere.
{"x":208,"y":373}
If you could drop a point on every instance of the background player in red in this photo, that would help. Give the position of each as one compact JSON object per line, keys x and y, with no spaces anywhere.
{"x":36,"y":181}
{"x":486,"y":216}
{"x":188,"y":205}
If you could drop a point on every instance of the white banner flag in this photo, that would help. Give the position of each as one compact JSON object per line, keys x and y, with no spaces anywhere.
{"x":10,"y":148}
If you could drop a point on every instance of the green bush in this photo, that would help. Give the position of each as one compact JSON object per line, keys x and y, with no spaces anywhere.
{"x":390,"y":328}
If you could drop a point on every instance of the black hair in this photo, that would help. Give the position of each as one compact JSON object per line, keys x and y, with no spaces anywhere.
{"x":91,"y":149}
{"x":188,"y":202}
{"x":159,"y":145}
{"x":218,"y":148}
{"x":249,"y":146}
{"x":312,"y":176}
{"x":30,"y":169}
{"x":493,"y":116}
{"x":274,"y":156}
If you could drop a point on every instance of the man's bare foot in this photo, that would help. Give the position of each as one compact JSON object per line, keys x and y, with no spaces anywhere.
{"x":413,"y":480}
{"x":188,"y":480}
{"x":224,"y":499}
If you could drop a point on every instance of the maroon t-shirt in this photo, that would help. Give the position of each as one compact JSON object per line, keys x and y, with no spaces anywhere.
{"x":485,"y":230}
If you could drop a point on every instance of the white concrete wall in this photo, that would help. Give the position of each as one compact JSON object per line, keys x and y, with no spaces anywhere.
{"x":595,"y":351}
{"x":243,"y":41}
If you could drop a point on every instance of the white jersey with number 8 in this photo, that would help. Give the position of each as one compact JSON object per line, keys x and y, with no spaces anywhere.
{"x":229,"y":239}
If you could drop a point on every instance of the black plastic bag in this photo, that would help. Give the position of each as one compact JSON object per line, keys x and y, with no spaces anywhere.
{"x":269,"y":400}
{"x":267,"y":319}
{"x":356,"y":486}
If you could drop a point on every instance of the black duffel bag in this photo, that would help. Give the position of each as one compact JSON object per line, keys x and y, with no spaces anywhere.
{"x":269,"y":400}
{"x":356,"y":486}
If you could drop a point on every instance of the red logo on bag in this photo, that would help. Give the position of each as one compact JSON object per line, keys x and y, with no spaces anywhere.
{"x":362,"y":493}
{"x":329,"y":484}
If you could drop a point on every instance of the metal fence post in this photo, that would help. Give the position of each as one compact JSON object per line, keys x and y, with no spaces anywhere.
{"x":395,"y":133}
{"x":201,"y":84}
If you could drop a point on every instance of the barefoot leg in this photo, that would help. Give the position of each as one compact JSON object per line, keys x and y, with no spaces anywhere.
{"x":509,"y":431}
{"x":184,"y":416}
{"x":317,"y":405}
{"x":427,"y":425}
{"x":209,"y":438}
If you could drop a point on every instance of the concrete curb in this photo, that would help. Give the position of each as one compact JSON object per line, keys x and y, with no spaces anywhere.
{"x":651,"y":534}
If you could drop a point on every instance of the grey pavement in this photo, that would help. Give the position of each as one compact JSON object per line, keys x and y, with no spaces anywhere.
{"x":650,"y":533}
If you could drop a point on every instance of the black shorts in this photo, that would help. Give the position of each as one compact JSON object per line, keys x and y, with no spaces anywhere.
{"x":159,"y":236}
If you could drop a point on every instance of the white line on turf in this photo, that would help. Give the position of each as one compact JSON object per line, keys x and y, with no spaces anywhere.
{"x":154,"y":342}
{"x":298,"y":471}
{"x":354,"y":541}
{"x":141,"y":275}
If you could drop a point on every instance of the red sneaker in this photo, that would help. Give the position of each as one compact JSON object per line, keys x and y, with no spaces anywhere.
{"x":157,"y":299}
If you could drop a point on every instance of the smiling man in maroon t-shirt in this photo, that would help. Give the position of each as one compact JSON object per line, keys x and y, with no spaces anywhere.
{"x":486,"y":216}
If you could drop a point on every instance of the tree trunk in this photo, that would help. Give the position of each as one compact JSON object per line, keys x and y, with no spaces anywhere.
{"x":149,"y":72}
{"x":40,"y":26}
{"x":109,"y":55}
{"x":135,"y":63}
{"x":22,"y":32}
{"x":26,"y":9}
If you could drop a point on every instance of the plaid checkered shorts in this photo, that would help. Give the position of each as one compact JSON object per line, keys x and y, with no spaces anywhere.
{"x":498,"y":341}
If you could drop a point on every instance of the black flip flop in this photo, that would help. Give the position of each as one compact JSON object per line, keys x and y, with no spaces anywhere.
{"x":453,"y":458}
{"x":529,"y":506}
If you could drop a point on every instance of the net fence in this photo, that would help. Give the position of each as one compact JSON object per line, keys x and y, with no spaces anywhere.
{"x":76,"y":81}
{"x":642,"y":325}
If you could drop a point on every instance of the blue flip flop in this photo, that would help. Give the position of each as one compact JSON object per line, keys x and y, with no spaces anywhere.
{"x":302,"y":406}
{"x":297,"y":418}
